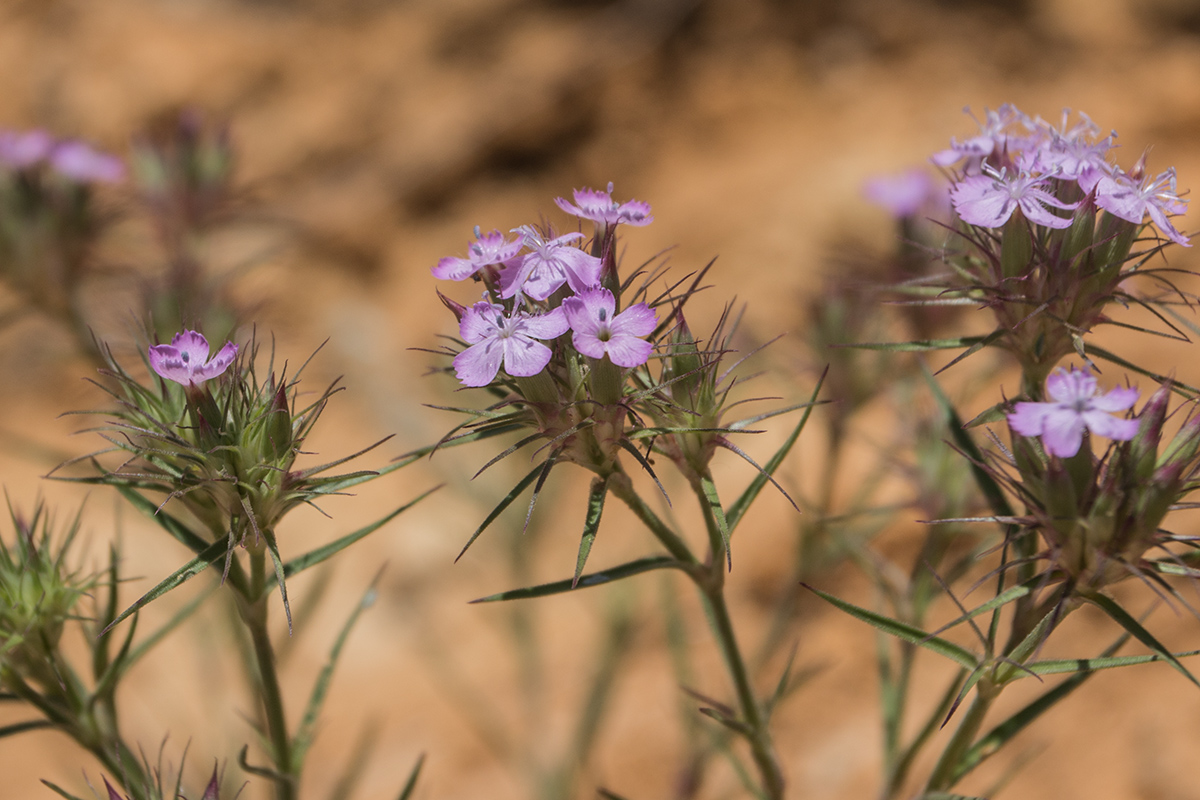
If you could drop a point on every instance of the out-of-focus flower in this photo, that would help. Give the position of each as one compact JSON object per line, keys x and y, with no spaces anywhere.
{"x":185,"y":360}
{"x":902,"y":195}
{"x":1122,"y":196}
{"x":600,"y":208}
{"x":989,"y":200}
{"x":495,"y":338}
{"x":81,"y":162}
{"x":487,"y":250}
{"x":20,"y":150}
{"x":551,"y":263}
{"x":599,"y":332}
{"x":1075,"y":407}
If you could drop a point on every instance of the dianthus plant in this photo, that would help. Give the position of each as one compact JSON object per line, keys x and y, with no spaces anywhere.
{"x":209,"y":449}
{"x":1051,"y":231}
{"x":600,"y":369}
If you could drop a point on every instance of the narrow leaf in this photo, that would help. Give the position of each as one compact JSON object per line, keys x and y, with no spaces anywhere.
{"x":411,"y":784}
{"x":210,"y":556}
{"x":919,"y":345}
{"x":22,"y":727}
{"x":718,"y":514}
{"x":1126,"y":621}
{"x":280,"y":578}
{"x":508,"y":499}
{"x":304,"y":733}
{"x":591,"y":525}
{"x":314,"y":557}
{"x":903,"y":631}
{"x":742,"y":504}
{"x":595,"y":579}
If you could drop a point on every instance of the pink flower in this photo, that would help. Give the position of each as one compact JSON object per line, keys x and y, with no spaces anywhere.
{"x":989,"y":200}
{"x":496,"y":339}
{"x":483,"y":252}
{"x":80,"y":162}
{"x":598,"y":332}
{"x":1075,"y":407}
{"x":993,"y":136}
{"x":185,"y":360}
{"x":902,"y":195}
{"x":22,"y":150}
{"x":550,"y":264}
{"x":600,"y":208}
{"x":1121,"y":196}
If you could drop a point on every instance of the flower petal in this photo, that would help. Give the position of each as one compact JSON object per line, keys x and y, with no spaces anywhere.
{"x":192,"y":347}
{"x":1029,"y":419}
{"x":524,"y":356}
{"x":548,"y":325}
{"x":1119,"y":399}
{"x":217,"y":364}
{"x":628,"y":351}
{"x":1062,"y":432}
{"x":637,"y":320}
{"x":165,"y":360}
{"x":479,"y":363}
{"x":1103,"y":424}
{"x":452,"y":268}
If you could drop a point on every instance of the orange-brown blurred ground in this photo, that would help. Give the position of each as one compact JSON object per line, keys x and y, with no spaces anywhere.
{"x":387,"y":130}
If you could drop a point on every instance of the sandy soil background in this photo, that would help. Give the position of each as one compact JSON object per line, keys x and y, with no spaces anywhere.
{"x":382,"y":132}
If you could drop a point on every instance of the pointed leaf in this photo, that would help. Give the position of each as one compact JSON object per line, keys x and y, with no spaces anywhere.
{"x":742,"y":504}
{"x":595,"y":579}
{"x":280,"y":578}
{"x":304,"y":733}
{"x":591,"y":524}
{"x":411,"y":784}
{"x":504,"y":503}
{"x":323,"y":553}
{"x":60,"y":791}
{"x":903,"y":631}
{"x":713,"y":502}
{"x":1059,"y":666}
{"x":1126,"y":621}
{"x":917,"y":346}
{"x":22,"y":727}
{"x":208,"y":558}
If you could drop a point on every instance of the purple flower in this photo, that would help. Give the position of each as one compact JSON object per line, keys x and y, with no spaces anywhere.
{"x":598,"y":332}
{"x":600,"y":208}
{"x":1075,"y":407}
{"x":80,"y":162}
{"x":185,"y":360}
{"x":550,"y":264}
{"x":901,"y":195}
{"x":495,"y":338}
{"x":992,"y":137}
{"x":989,"y":200}
{"x":23,"y":150}
{"x":483,"y":252}
{"x":1121,"y":196}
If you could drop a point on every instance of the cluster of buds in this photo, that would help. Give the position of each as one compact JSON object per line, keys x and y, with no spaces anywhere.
{"x":38,"y":594}
{"x":213,"y":436}
{"x":1100,"y":516}
{"x":183,"y":172}
{"x":566,"y":345}
{"x":1053,"y":227}
{"x":48,"y":216}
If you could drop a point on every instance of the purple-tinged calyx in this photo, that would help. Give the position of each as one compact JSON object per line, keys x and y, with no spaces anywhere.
{"x":1074,"y":408}
{"x":185,"y":360}
{"x":1131,"y":200}
{"x":598,"y":332}
{"x":496,"y":339}
{"x":549,"y":264}
{"x":487,"y":250}
{"x":600,"y":208}
{"x":988,"y":200}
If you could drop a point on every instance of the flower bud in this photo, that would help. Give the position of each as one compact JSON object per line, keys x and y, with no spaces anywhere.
{"x":1016,"y":247}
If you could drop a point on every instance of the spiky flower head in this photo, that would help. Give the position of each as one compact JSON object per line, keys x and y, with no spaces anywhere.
{"x":38,"y":594}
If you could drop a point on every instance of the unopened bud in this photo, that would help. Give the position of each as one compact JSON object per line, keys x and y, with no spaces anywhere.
{"x":1016,"y":248}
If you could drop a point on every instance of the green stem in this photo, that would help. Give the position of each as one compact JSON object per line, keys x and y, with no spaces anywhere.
{"x":946,"y":773}
{"x":712,"y":589}
{"x":254,"y":614}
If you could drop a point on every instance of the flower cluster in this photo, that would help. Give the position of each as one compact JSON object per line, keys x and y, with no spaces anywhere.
{"x":541,"y":286}
{"x":1052,"y":230}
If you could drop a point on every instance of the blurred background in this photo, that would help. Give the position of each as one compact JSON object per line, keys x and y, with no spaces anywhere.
{"x":371,"y":137}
